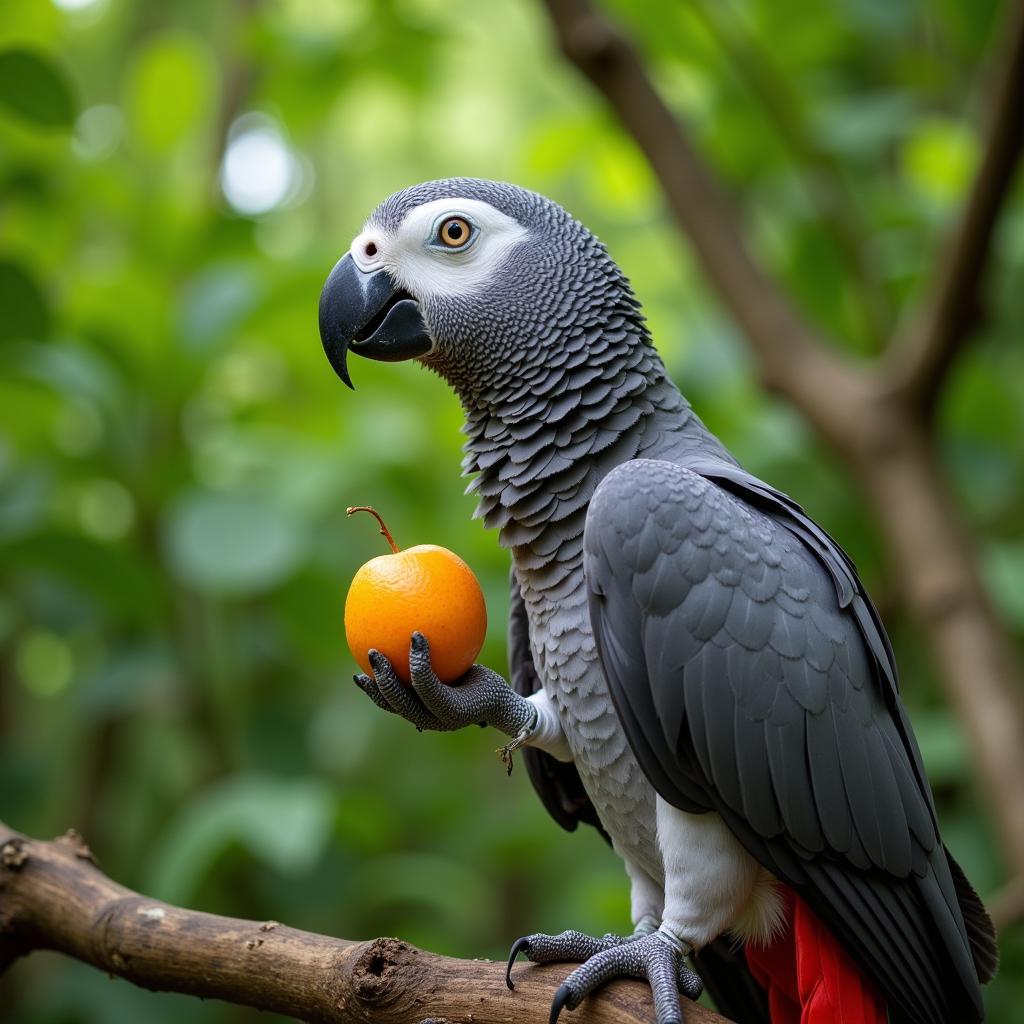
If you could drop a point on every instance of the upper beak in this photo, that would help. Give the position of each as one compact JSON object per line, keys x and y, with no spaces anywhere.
{"x":371,"y":314}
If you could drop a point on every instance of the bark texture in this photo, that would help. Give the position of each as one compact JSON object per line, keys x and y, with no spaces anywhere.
{"x":53,"y":896}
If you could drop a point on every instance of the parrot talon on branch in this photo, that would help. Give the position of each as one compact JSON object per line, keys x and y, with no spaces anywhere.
{"x":565,"y":947}
{"x":521,"y":944}
{"x":655,"y":957}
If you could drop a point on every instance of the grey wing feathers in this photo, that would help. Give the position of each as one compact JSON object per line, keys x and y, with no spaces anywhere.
{"x":850,"y":594}
{"x":753,"y":678}
{"x":557,"y":783}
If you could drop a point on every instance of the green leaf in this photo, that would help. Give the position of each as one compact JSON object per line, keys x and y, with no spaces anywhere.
{"x":231,"y":544}
{"x":427,"y":880}
{"x":128,"y":682}
{"x":23,"y":497}
{"x":943,"y":747}
{"x":939,"y":159}
{"x":25,"y":310}
{"x":170,"y":90}
{"x":862,"y":125}
{"x":285,"y":823}
{"x":214,"y":303}
{"x":74,"y":371}
{"x":1003,"y":567}
{"x":113,"y":576}
{"x":35,"y":89}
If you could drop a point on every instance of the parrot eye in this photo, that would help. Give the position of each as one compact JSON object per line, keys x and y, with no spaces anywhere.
{"x":454,"y":233}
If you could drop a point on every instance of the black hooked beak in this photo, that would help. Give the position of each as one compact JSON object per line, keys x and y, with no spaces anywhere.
{"x":370,"y":314}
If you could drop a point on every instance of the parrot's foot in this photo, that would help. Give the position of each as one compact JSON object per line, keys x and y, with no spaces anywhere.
{"x":479,"y":697}
{"x":571,"y":946}
{"x":656,"y":956}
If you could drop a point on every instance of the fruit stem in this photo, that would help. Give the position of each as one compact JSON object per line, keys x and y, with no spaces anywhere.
{"x":384,"y":531}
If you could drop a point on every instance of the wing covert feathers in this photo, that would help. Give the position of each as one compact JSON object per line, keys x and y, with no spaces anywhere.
{"x":753,"y":678}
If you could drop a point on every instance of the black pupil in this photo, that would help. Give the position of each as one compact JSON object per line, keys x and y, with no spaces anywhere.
{"x":453,"y":230}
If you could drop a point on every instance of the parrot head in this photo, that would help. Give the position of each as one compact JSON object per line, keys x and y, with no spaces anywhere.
{"x":476,"y":279}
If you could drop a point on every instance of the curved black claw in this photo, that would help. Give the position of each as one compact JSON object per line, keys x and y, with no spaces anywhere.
{"x":522,"y":944}
{"x":563,"y":995}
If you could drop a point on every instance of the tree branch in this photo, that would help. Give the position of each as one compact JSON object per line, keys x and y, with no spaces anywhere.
{"x":822,"y":172}
{"x":52,"y":896}
{"x":792,"y":358}
{"x":918,"y":364}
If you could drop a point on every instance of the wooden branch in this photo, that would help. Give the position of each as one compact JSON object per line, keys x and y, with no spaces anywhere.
{"x":919,"y":362}
{"x":53,"y":896}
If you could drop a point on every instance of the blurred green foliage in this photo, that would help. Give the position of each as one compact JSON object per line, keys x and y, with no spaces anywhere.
{"x":176,"y":455}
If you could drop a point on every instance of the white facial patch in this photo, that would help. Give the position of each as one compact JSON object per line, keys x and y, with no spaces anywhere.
{"x":426,"y":269}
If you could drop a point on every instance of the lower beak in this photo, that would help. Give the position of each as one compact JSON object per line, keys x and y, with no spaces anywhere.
{"x":370,"y":314}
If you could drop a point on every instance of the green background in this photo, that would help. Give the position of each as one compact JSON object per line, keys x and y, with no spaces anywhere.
{"x":176,"y":455}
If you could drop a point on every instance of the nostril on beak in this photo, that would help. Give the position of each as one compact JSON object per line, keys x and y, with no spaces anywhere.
{"x":370,"y":249}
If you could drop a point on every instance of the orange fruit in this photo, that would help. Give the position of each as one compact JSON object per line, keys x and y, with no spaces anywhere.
{"x":425,"y":588}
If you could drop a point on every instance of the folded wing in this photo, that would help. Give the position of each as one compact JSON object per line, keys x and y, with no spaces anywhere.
{"x":753,"y":679}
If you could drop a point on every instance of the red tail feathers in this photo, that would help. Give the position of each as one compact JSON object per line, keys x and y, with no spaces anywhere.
{"x":809,"y":977}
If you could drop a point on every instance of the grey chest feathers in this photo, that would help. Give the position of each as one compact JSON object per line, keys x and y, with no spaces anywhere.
{"x":539,"y":451}
{"x":567,"y":664}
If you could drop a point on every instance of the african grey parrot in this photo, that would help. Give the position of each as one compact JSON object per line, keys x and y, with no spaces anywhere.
{"x":696,"y":668}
